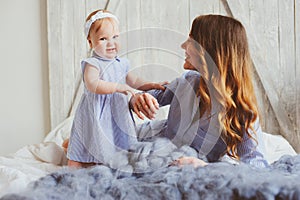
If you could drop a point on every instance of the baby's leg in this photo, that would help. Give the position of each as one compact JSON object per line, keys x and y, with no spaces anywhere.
{"x":65,"y":145}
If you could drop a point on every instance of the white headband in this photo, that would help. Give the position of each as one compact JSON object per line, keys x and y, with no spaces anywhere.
{"x":99,"y":15}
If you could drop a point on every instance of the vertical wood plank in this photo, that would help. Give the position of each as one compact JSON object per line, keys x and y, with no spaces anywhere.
{"x":133,"y":34}
{"x":271,"y":53}
{"x":156,"y":44}
{"x":297,"y":74}
{"x":266,"y":29}
{"x":287,"y":58}
{"x":203,"y":7}
{"x":216,"y":6}
{"x":54,"y":13}
{"x":68,"y":75}
{"x":93,"y":5}
{"x":253,"y":12}
{"x":288,"y":62}
{"x":173,"y":30}
{"x":120,"y":10}
{"x":80,"y":51}
{"x":222,"y":9}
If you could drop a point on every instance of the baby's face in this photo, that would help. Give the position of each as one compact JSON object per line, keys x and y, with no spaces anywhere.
{"x":105,"y":42}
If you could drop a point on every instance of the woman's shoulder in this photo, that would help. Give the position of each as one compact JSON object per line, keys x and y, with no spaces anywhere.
{"x":191,"y":74}
{"x":187,"y":79}
{"x":192,"y":77}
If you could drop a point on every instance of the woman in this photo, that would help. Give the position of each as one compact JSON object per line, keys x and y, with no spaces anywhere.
{"x":212,"y":107}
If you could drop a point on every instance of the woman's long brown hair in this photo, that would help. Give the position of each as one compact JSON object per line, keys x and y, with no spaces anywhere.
{"x":224,"y":47}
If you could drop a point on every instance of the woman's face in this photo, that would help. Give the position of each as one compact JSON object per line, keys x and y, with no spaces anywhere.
{"x":192,"y":54}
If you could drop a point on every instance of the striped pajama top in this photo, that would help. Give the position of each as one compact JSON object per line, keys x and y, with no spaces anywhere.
{"x":185,"y":127}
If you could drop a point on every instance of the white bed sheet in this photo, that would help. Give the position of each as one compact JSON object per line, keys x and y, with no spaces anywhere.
{"x":23,"y":167}
{"x":35,"y":161}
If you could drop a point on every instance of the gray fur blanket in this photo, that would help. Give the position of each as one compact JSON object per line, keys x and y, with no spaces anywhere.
{"x":145,"y":174}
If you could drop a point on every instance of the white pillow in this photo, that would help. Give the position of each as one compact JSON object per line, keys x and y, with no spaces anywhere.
{"x":274,"y":146}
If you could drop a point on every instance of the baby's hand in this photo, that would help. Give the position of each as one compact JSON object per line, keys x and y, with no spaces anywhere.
{"x":151,"y":86}
{"x":125,"y":89}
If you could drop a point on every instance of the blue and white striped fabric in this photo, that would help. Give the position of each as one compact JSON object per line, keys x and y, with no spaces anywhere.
{"x":102,"y":124}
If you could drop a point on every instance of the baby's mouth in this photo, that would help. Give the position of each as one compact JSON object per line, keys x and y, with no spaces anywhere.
{"x":111,"y":49}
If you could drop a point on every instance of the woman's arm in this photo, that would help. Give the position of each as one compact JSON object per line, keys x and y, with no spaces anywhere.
{"x":165,"y":97}
{"x":98,"y":86}
{"x":248,"y":149}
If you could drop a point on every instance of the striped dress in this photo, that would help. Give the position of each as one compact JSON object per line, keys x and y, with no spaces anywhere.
{"x":102,"y":123}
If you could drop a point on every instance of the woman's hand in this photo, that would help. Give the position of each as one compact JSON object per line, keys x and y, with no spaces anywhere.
{"x":144,"y":103}
{"x":189,"y":161}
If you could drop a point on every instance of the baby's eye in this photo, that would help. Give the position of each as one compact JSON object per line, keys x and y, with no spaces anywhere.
{"x":115,"y":36}
{"x":103,"y":39}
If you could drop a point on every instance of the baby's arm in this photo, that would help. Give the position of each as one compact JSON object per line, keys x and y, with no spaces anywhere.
{"x":140,"y":84}
{"x":98,"y":86}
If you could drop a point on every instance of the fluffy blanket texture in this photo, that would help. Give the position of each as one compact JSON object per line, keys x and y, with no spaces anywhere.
{"x":145,"y":174}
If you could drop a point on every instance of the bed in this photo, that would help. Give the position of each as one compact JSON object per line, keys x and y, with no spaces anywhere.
{"x":39,"y":171}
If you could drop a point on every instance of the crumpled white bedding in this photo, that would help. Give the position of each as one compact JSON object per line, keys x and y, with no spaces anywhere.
{"x":34,"y":161}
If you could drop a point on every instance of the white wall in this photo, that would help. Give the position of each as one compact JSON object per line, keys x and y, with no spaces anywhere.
{"x":24,"y":105}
